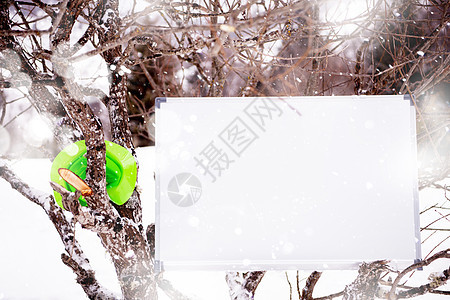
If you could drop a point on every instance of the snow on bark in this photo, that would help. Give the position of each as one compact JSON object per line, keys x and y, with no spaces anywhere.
{"x":74,"y":256}
{"x":122,"y":238}
{"x":116,"y":101}
{"x":119,"y":229}
{"x":365,"y":286}
{"x":242,"y":286}
{"x":117,"y":233}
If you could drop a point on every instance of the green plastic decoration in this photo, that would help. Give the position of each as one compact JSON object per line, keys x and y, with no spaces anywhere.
{"x":121,"y":170}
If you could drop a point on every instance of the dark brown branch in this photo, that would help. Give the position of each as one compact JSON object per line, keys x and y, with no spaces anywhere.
{"x":297,"y":277}
{"x":442,"y":254}
{"x":436,"y":282}
{"x":65,"y":20}
{"x":309,"y":285}
{"x":252,"y":280}
{"x":28,"y":32}
{"x":439,"y":292}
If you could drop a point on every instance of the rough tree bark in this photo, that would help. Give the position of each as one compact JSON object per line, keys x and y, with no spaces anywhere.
{"x":243,"y":285}
{"x":122,"y":235}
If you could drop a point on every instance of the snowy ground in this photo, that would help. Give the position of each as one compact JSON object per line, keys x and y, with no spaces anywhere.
{"x":30,"y":265}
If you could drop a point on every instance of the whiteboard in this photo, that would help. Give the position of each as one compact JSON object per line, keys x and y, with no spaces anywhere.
{"x":285,"y":183}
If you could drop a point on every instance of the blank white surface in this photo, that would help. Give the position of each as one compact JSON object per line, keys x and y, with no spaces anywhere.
{"x":338,"y":190}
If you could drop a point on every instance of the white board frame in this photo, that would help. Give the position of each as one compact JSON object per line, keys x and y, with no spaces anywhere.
{"x":195,"y":262}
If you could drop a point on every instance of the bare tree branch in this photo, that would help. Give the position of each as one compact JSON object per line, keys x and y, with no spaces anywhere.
{"x":243,"y":285}
{"x":309,"y":285}
{"x":74,"y":255}
{"x":210,"y":48}
{"x":365,"y":285}
{"x":442,"y":254}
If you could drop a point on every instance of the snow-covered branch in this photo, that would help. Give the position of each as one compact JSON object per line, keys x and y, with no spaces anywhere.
{"x":74,"y":256}
{"x":365,"y":285}
{"x":242,"y":286}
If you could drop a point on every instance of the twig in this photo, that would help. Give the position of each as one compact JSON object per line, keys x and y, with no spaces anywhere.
{"x":290,"y":285}
{"x":59,"y":16}
{"x":436,"y":282}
